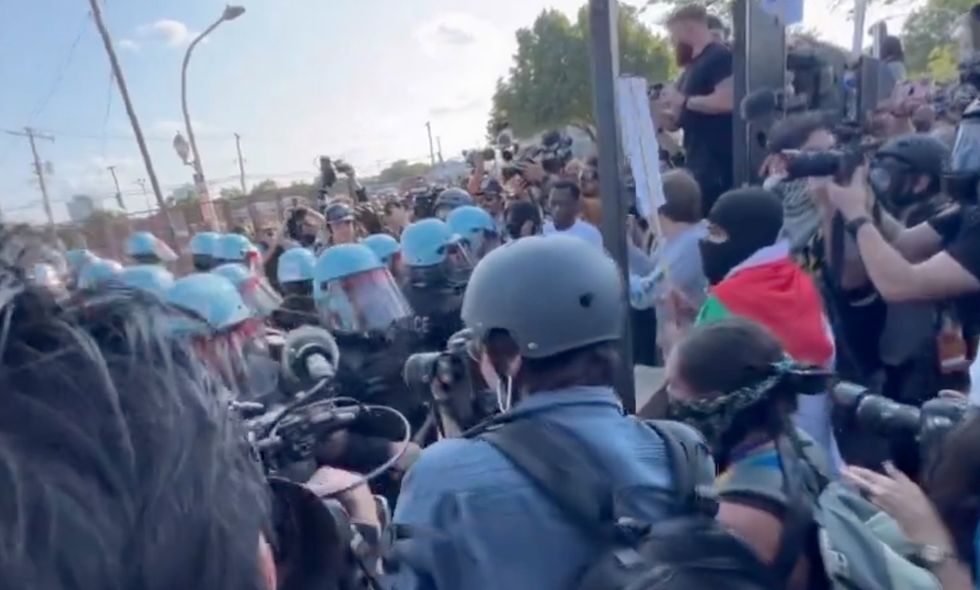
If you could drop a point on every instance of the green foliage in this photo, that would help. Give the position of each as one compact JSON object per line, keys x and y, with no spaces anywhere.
{"x":943,"y":65}
{"x":265,"y":186}
{"x":930,"y":27}
{"x":400,"y":170}
{"x":231,"y":193}
{"x":549,"y":84}
{"x":183,"y":194}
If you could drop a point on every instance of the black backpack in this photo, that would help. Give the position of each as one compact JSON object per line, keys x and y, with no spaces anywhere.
{"x":688,"y":550}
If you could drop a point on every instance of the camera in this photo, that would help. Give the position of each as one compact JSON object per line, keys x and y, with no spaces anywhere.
{"x":838,"y":163}
{"x":423,"y":202}
{"x":881,"y":415}
{"x":487,"y":154}
{"x":453,"y":369}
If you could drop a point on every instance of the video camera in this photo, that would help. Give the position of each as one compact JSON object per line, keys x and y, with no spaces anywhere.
{"x":838,"y":163}
{"x":422,"y":200}
{"x":552,"y":153}
{"x":460,"y":405}
{"x":881,"y":415}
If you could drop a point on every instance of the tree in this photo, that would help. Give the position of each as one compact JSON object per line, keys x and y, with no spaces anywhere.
{"x":400,"y":170}
{"x":943,"y":65}
{"x":231,"y":193}
{"x":549,"y":84}
{"x":930,"y":27}
{"x":182,"y":194}
{"x":265,"y":186}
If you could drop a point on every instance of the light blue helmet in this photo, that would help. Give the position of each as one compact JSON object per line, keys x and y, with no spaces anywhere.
{"x":234,"y":248}
{"x":425,"y":242}
{"x":254,"y":289}
{"x":98,"y":273}
{"x":147,"y":277}
{"x":146,"y":248}
{"x":212,"y":298}
{"x":77,"y":259}
{"x":342,"y":261}
{"x":384,"y":246}
{"x":355,"y":293}
{"x":203,"y":247}
{"x":295,"y":265}
{"x":476,"y":228}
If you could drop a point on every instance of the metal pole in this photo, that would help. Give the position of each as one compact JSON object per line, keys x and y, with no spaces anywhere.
{"x":207,"y":208}
{"x":142,"y":183}
{"x":432,"y":151}
{"x":133,"y":120}
{"x":32,"y":136}
{"x":253,"y":212}
{"x":439,"y":148}
{"x":857,"y":41}
{"x":115,"y":180}
{"x":603,"y":21}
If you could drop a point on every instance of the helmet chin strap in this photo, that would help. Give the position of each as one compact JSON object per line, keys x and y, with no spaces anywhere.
{"x":505,"y":393}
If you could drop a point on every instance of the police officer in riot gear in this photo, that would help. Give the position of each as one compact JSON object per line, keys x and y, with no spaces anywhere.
{"x":294,"y":273}
{"x":438,"y":266}
{"x":97,"y":273}
{"x":477,"y":230}
{"x":149,"y":278}
{"x":360,"y":303}
{"x":203,"y":247}
{"x":450,"y":199}
{"x":389,"y":250}
{"x":145,"y":248}
{"x":236,"y":248}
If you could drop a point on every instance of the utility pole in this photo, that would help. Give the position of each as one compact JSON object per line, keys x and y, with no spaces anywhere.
{"x":115,"y":181}
{"x":439,"y":146}
{"x":253,"y":213}
{"x":142,"y":184}
{"x":32,"y":137}
{"x":133,"y":119}
{"x":432,"y":151}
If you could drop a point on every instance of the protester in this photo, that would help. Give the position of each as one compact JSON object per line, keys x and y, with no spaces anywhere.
{"x":752,"y":276}
{"x":396,"y":218}
{"x":677,"y":258}
{"x":700,"y":102}
{"x":550,"y":357}
{"x":806,"y":133}
{"x":732,"y":381}
{"x":588,"y":180}
{"x":893,"y":56}
{"x":523,"y":219}
{"x":340,"y":224}
{"x":565,"y":205}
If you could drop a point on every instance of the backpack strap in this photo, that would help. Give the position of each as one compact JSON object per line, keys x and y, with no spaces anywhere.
{"x":556,"y":461}
{"x":688,"y":455}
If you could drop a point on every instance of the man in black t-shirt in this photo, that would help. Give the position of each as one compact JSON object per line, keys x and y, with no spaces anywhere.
{"x":701,"y":101}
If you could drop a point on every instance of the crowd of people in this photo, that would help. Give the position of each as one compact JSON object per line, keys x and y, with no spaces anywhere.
{"x":417,"y":391}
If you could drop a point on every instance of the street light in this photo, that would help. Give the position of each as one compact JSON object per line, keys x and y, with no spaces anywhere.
{"x":207,"y":208}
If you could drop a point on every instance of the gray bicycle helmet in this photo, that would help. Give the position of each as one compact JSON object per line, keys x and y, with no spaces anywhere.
{"x":552,"y":294}
{"x":450,"y":199}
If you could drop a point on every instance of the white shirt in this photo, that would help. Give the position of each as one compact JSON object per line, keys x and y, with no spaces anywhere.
{"x":579,"y":229}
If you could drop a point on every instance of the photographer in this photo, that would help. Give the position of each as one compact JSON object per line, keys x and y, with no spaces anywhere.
{"x":942,"y":520}
{"x":701,"y":101}
{"x":552,"y":359}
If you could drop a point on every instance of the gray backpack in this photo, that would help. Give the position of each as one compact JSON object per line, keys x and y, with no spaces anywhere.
{"x":860,"y":547}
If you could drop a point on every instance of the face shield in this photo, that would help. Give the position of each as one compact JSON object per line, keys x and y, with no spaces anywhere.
{"x":458,"y":263}
{"x":481,"y":244}
{"x":259,"y":296}
{"x":365,"y":302}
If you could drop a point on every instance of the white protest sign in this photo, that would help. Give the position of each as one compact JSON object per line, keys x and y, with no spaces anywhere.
{"x":640,"y":144}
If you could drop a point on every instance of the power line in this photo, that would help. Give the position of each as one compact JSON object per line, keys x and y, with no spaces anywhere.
{"x":60,"y":75}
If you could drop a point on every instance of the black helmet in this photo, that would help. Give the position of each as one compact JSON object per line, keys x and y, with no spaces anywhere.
{"x":449,"y":199}
{"x":338,"y":212}
{"x":550,"y":294}
{"x":923,"y":153}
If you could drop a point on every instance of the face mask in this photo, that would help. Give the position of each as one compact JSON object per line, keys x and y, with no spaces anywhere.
{"x":307,"y":240}
{"x":752,"y":218}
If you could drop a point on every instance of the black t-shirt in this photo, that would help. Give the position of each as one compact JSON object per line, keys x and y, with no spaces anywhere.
{"x":960,"y":232}
{"x":707,"y":138}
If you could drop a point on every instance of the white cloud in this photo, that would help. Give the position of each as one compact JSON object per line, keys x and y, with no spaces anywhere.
{"x":172,"y":32}
{"x":451,"y":32}
{"x":129,"y":45}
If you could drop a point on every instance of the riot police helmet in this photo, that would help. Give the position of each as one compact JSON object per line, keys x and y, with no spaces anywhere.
{"x":355,"y":293}
{"x":550,"y":294}
{"x":148,"y":278}
{"x":476,"y":228}
{"x":204,"y":247}
{"x":98,"y":273}
{"x":432,"y":253}
{"x":212,"y":299}
{"x":294,"y":272}
{"x":260,"y":297}
{"x":145,"y":248}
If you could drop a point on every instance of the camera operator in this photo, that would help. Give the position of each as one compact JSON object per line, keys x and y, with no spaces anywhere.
{"x":552,"y":359}
{"x":942,"y":519}
{"x":933,"y":261}
{"x":122,"y":467}
{"x":701,"y":101}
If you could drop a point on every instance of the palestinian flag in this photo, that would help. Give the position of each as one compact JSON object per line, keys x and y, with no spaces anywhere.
{"x":781,"y":297}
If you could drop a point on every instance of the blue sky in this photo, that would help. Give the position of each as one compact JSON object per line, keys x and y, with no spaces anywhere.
{"x":296,"y":78}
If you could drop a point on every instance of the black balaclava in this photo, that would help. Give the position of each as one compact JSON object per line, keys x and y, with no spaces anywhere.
{"x":752,"y":218}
